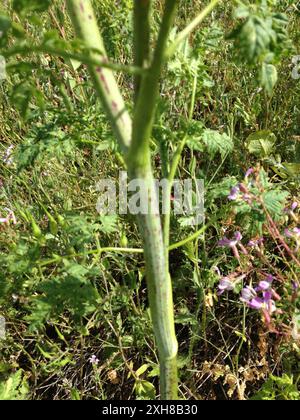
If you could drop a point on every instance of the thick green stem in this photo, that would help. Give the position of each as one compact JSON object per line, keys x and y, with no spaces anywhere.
{"x":139,"y":165}
{"x":159,"y":286}
{"x":85,"y":23}
{"x":147,"y":100}
{"x":141,"y":39}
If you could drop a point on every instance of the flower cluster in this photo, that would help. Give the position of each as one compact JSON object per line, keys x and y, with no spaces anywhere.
{"x":261,"y":298}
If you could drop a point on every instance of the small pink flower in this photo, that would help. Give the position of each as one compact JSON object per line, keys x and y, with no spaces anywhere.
{"x":249,"y":172}
{"x":94,"y":360}
{"x":256,"y":242}
{"x":230,"y":243}
{"x":294,"y":205}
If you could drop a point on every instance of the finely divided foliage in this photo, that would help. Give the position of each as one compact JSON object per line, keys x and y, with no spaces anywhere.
{"x":96,"y":306}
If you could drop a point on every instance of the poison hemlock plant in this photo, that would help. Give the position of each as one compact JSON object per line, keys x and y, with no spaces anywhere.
{"x":64,"y":266}
{"x":133,"y":136}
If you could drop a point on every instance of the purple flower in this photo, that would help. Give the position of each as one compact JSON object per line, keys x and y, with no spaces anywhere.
{"x":294,"y":205}
{"x":265,"y":284}
{"x":225,"y":285}
{"x":255,"y":242}
{"x":294,"y":234}
{"x":256,"y":303}
{"x":230,"y":243}
{"x":264,"y":301}
{"x":247,"y":294}
{"x":94,"y":360}
{"x":249,"y":172}
{"x":234,"y":193}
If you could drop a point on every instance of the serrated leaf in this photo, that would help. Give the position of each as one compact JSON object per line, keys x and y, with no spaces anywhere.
{"x":14,"y":388}
{"x":275,"y":202}
{"x":211,"y":141}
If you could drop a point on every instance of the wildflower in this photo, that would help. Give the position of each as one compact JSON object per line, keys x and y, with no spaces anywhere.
{"x":294,"y":206}
{"x":94,"y":360}
{"x":291,"y":211}
{"x":230,"y":243}
{"x":234,"y":193}
{"x":264,"y":301}
{"x":233,"y":243}
{"x":249,"y":172}
{"x":241,"y":192}
{"x":10,"y":217}
{"x":225,"y":285}
{"x":265,"y":285}
{"x":256,"y":242}
{"x":247,"y":294}
{"x":294,"y":234}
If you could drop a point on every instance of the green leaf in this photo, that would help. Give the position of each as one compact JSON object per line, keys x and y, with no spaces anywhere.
{"x":268,"y":77}
{"x":142,"y":369}
{"x":14,"y":388}
{"x":217,"y":143}
{"x":261,"y":143}
{"x":73,"y":293}
{"x":261,"y":35}
{"x":210,"y":140}
{"x":23,"y":97}
{"x":145,"y":390}
{"x":275,"y":202}
{"x":5,"y":25}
